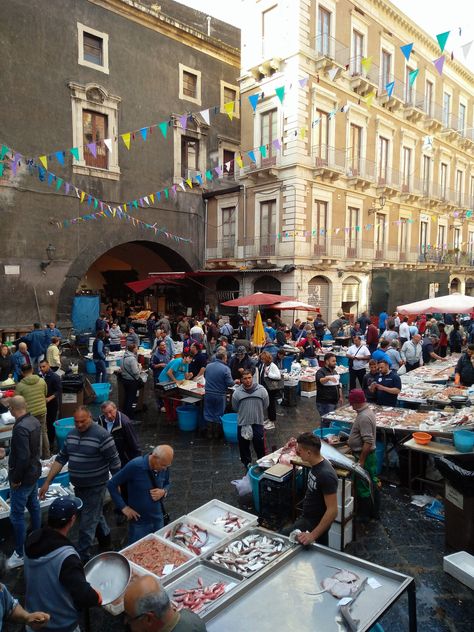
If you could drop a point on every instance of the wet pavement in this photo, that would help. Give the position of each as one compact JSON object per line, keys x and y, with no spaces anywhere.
{"x":404,"y":539}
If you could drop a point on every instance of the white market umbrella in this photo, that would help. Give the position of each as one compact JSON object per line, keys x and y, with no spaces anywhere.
{"x":451,"y":304}
{"x":295,"y":305}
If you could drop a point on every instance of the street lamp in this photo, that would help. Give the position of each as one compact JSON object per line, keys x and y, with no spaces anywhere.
{"x":50,"y":251}
{"x":374,"y":208}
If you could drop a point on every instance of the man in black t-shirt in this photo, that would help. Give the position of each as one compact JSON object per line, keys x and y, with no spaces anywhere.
{"x":320,"y":501}
{"x":328,"y":387}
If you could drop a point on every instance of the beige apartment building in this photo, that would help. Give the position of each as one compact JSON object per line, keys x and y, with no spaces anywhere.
{"x":356,"y":198}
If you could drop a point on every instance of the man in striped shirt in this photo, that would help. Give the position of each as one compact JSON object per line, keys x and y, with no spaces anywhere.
{"x":91,"y":453}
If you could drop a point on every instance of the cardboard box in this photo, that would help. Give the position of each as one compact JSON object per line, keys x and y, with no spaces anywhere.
{"x":308,"y":386}
{"x":335,"y":535}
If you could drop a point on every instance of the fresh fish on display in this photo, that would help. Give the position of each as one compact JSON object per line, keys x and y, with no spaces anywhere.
{"x":250,"y":554}
{"x":338,"y":459}
{"x":195,"y":599}
{"x":190,"y":536}
{"x":230,"y":522}
{"x":344,"y":583}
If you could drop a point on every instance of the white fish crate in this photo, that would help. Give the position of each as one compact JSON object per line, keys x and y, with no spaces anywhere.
{"x":216,"y":510}
{"x":4,"y":508}
{"x":154,"y":541}
{"x":227,"y":555}
{"x":209,"y":575}
{"x":56,"y":490}
{"x":461,"y":566}
{"x":214,"y":537}
{"x":116,"y":607}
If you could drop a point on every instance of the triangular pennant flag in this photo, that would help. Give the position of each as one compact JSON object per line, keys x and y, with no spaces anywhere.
{"x":276,"y":143}
{"x":183,"y":121}
{"x":406,"y":50}
{"x":366,"y":63}
{"x":218,"y":170}
{"x":389,"y":88}
{"x":229,"y":109}
{"x":251,"y":155}
{"x":135,"y":203}
{"x":92,"y":147}
{"x":60,"y":157}
{"x":263,"y":151}
{"x":67,"y":187}
{"x":2,"y":165}
{"x":152,"y":198}
{"x":412,"y":76}
{"x":147,"y":201}
{"x":280,"y":92}
{"x":333,"y":72}
{"x":466,"y":49}
{"x":303,"y":132}
{"x":181,"y":184}
{"x":75,"y":153}
{"x":209,"y":175}
{"x":253,"y":98}
{"x":164,"y":128}
{"x":44,"y":161}
{"x":50,"y":177}
{"x":228,"y":166}
{"x":126,"y":140}
{"x":369,"y":99}
{"x":239,"y":161}
{"x":89,"y":199}
{"x":303,"y":82}
{"x":189,"y":182}
{"x":83,"y":195}
{"x":4,"y":151}
{"x":108,"y":144}
{"x":442,"y":39}
{"x":173,"y":188}
{"x":59,"y":182}
{"x":199,"y":179}
{"x":96,"y":203}
{"x":439,"y":63}
{"x":166,"y":193}
{"x":144,"y":132}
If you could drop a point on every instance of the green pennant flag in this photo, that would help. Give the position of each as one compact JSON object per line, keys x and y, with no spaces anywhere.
{"x":209,"y":175}
{"x":1,"y":169}
{"x":442,"y":39}
{"x":280,"y":92}
{"x":3,"y":152}
{"x":75,"y":152}
{"x":135,"y":203}
{"x":164,"y":128}
{"x":96,"y":203}
{"x":58,"y":183}
{"x":412,"y":76}
{"x":263,"y":151}
{"x":166,"y":194}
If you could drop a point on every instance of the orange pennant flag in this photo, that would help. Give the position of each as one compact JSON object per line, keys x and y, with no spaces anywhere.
{"x":229,"y":108}
{"x":126,"y":140}
{"x":44,"y":161}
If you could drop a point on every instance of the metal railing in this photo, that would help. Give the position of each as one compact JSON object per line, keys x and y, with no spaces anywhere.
{"x":388,"y":177}
{"x":258,"y":247}
{"x":222,"y":249}
{"x":329,"y":47}
{"x":331,"y":157}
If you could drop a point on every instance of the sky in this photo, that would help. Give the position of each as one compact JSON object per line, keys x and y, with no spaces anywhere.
{"x":433,"y":16}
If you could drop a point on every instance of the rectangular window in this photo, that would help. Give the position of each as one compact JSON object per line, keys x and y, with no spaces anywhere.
{"x":403,"y":239}
{"x":386,"y":68}
{"x":446,"y":109}
{"x":470,"y":245}
{"x":459,"y":187}
{"x":379,"y":235}
{"x":267,"y":227}
{"x":189,"y":84}
{"x":429,"y":91}
{"x":441,"y":237}
{"x":268,"y":129}
{"x":269,"y":31}
{"x":322,"y":137}
{"x":409,"y":89}
{"x":457,"y":238}
{"x":94,"y":127}
{"x":189,"y":157}
{"x":93,"y":49}
{"x":324,"y":32}
{"x":320,"y":227}
{"x":423,"y":236}
{"x":230,"y":95}
{"x":352,"y":235}
{"x":383,"y":160}
{"x":357,"y":52}
{"x":462,"y":119}
{"x":355,"y":150}
{"x":406,"y":174}
{"x":228,"y":231}
{"x":471,"y":193}
{"x":229,"y":161}
{"x":426,"y":175}
{"x":443,"y":176}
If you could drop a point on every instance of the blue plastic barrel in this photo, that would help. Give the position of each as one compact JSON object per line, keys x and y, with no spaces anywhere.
{"x":229,"y":426}
{"x":90,"y":366}
{"x":187,"y":417}
{"x":102,"y":391}
{"x":255,"y":474}
{"x":63,"y":427}
{"x":340,"y":425}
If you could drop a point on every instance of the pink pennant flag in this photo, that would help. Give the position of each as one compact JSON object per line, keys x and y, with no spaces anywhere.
{"x":183,"y":121}
{"x":92,"y":148}
{"x":439,"y":63}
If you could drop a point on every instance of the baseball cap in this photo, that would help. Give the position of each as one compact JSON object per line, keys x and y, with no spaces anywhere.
{"x":241,"y":350}
{"x":64,"y":508}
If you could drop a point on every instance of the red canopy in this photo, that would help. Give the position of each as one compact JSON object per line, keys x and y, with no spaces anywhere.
{"x":259,"y":298}
{"x":140,"y":286}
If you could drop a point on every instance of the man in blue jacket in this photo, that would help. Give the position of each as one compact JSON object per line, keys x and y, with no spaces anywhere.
{"x":36,"y":341}
{"x":218,"y":379}
{"x":148,"y":481}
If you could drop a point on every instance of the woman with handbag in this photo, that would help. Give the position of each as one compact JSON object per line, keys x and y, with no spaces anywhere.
{"x":131,"y":378}
{"x":269,"y":376}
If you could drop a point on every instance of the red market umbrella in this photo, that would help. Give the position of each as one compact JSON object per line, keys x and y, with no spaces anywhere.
{"x":259,"y":298}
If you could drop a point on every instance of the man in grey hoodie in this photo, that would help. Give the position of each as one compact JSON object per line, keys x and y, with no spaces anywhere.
{"x":250,"y":402}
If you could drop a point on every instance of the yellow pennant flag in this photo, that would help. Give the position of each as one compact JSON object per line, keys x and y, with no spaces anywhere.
{"x":126,"y":140}
{"x":239,"y":161}
{"x":229,"y":108}
{"x":83,"y":195}
{"x":189,"y":182}
{"x":152,"y":197}
{"x":125,"y":208}
{"x":369,"y":99}
{"x":366,"y":63}
{"x":114,"y":212}
{"x":303,"y":132}
{"x":44,"y":161}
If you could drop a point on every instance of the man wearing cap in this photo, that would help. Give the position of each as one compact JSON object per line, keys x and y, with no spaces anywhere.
{"x":55,"y":579}
{"x":387,"y":385}
{"x":239,"y":363}
{"x":362,"y":442}
{"x":91,"y":453}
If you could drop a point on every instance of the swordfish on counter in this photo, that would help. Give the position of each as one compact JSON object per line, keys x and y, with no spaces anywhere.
{"x":341,"y":460}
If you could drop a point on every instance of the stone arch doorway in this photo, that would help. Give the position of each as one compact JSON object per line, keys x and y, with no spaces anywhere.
{"x":469,"y":286}
{"x":106,"y":267}
{"x":318,"y":294}
{"x":227,"y":288}
{"x":267,"y":284}
{"x":455,"y":285}
{"x":351,"y":295}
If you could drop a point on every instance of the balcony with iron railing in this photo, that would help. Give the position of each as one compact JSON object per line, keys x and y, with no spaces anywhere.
{"x":259,"y":247}
{"x":363,"y":80}
{"x":224,"y":248}
{"x":330,"y":51}
{"x":388,"y":179}
{"x":329,"y":162}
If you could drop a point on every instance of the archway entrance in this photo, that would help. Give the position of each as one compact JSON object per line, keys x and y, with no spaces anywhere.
{"x":267,"y":284}
{"x":350,"y":295}
{"x":227,"y":288}
{"x":318,"y":295}
{"x":455,"y":285}
{"x":470,"y":286}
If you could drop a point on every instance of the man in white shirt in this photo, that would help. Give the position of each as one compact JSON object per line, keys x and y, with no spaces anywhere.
{"x":359,"y":356}
{"x":404,"y":331}
{"x":412,"y":353}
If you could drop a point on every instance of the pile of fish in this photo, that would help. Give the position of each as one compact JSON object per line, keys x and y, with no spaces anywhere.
{"x":344,"y":583}
{"x":230,"y":522}
{"x":195,"y":599}
{"x":153,"y":555}
{"x":250,"y":554}
{"x":190,"y":536}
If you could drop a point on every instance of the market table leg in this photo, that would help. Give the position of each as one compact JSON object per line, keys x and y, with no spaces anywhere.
{"x":412,"y":606}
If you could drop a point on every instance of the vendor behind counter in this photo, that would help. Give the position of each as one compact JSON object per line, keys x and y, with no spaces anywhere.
{"x":464,"y":371}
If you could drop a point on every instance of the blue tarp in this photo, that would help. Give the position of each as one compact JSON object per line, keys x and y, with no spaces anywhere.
{"x":85,"y":311}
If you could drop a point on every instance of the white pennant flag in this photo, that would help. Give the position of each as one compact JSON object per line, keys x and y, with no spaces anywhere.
{"x":205,"y":116}
{"x":227,"y":165}
{"x":333,"y":72}
{"x":146,"y":200}
{"x":466,"y":48}
{"x":77,"y":192}
{"x":108,"y":144}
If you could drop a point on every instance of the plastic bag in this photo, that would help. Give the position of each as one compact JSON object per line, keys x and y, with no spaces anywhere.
{"x":243,"y":485}
{"x":247,"y":432}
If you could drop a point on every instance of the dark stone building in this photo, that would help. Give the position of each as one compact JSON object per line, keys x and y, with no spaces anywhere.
{"x":76,"y":73}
